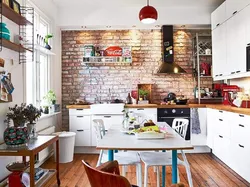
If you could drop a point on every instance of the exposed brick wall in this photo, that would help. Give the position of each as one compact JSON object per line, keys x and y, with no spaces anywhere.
{"x":80,"y":81}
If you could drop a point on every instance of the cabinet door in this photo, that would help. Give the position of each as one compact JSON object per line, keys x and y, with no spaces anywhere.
{"x":236,"y":43}
{"x":218,"y":16}
{"x":145,"y":113}
{"x":79,"y":122}
{"x":235,"y":6}
{"x":83,"y":137}
{"x":210,"y":128}
{"x":219,"y":50}
{"x":248,"y":25}
{"x":222,"y":148}
{"x":110,"y":120}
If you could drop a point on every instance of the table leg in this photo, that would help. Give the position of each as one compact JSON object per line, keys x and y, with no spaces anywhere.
{"x":57,"y":163}
{"x":174,"y":166}
{"x":163,"y":174}
{"x":32,"y":171}
{"x":110,"y":155}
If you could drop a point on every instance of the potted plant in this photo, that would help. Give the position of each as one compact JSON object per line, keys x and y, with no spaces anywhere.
{"x":16,"y":135}
{"x":32,"y":114}
{"x":50,"y":100}
{"x":143,"y":94}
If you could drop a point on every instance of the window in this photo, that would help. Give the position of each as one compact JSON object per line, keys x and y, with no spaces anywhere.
{"x":38,"y":72}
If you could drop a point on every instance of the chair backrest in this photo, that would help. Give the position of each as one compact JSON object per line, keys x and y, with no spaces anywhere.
{"x":180,"y":126}
{"x":99,"y":128}
{"x":106,"y":175}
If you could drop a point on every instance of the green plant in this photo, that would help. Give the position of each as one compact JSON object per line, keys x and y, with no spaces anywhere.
{"x":17,"y":115}
{"x":50,"y":98}
{"x":47,"y":37}
{"x":32,"y":113}
{"x":143,"y":92}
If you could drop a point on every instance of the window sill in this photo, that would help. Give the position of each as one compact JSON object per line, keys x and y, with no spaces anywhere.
{"x":44,"y":116}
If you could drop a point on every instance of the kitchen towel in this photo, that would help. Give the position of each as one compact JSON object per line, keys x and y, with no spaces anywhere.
{"x":196,"y":128}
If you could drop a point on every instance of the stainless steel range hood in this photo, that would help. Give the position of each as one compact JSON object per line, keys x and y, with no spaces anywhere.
{"x":168,"y":66}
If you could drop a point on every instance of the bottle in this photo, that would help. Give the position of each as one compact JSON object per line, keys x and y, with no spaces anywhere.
{"x":129,"y":99}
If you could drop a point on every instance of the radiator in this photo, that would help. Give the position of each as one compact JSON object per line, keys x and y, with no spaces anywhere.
{"x":45,"y":154}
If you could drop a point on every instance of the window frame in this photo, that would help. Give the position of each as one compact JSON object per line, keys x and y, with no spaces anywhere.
{"x":36,"y":100}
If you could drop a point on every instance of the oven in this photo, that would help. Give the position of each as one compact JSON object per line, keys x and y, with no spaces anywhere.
{"x":248,"y":57}
{"x":169,"y":114}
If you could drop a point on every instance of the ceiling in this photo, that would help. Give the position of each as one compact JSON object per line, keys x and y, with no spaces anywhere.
{"x":132,"y":3}
{"x":76,"y":14}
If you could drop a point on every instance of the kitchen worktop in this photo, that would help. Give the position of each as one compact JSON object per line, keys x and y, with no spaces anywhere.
{"x":245,"y":111}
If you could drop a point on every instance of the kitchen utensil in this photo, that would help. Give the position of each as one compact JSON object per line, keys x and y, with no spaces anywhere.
{"x":170,"y":97}
{"x":181,"y":101}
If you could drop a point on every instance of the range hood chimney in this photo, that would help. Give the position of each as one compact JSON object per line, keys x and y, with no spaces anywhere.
{"x":168,"y":66}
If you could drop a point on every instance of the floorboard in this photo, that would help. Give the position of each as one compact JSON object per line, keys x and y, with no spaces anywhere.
{"x":207,"y":171}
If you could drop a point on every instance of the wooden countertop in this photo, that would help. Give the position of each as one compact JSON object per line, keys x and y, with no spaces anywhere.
{"x":245,"y":111}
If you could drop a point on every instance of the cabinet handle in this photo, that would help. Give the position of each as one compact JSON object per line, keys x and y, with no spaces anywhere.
{"x":221,"y":74}
{"x":220,"y":136}
{"x":241,"y":146}
{"x":220,"y":111}
{"x":248,"y":44}
{"x":232,"y":72}
{"x":241,"y":125}
{"x":216,"y":75}
{"x":140,"y":108}
{"x":237,"y":71}
{"x":79,"y":109}
{"x":107,"y":116}
{"x":80,"y":130}
{"x":241,"y":115}
{"x":220,"y":119}
{"x":217,"y":24}
{"x":235,"y":12}
{"x":79,"y":116}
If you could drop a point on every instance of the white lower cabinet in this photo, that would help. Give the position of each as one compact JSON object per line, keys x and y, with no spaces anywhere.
{"x":145,"y":113}
{"x":228,"y":137}
{"x":222,"y":148}
{"x":80,"y":123}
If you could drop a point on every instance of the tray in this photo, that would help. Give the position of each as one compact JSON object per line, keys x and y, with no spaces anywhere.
{"x":146,"y":135}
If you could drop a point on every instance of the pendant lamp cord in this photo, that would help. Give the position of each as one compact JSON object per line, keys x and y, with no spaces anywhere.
{"x":148,"y":2}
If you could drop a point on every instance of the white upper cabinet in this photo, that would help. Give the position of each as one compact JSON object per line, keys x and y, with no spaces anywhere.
{"x":247,"y":25}
{"x":236,"y":43}
{"x":234,"y":6}
{"x":219,"y":41}
{"x":219,"y":16}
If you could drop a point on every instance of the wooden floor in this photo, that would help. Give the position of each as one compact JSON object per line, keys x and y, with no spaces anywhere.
{"x":206,"y":170}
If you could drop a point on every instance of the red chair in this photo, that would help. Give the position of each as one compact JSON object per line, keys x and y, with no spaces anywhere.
{"x":106,"y":175}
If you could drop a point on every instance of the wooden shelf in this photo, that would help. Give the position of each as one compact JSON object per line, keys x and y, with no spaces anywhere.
{"x":46,"y":178}
{"x":44,"y":50}
{"x":14,"y":16}
{"x":15,"y":47}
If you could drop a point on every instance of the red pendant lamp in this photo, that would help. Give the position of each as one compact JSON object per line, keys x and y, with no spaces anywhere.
{"x":148,"y":14}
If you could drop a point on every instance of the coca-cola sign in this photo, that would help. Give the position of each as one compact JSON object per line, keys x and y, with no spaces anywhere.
{"x":113,"y":51}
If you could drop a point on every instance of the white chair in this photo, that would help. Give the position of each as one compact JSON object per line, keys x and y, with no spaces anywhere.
{"x":165,"y":158}
{"x":124,"y":158}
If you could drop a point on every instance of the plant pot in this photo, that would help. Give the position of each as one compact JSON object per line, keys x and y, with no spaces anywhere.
{"x":145,"y":97}
{"x":32,"y":130}
{"x":46,"y":110}
{"x":16,"y":136}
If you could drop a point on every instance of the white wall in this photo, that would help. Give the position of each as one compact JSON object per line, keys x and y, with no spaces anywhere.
{"x":17,"y":72}
{"x":242,"y":83}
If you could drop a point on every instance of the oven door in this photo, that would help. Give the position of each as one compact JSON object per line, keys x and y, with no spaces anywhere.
{"x":248,"y":57}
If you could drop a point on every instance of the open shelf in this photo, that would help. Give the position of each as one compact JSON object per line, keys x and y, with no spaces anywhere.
{"x":41,"y":182}
{"x":14,"y":16}
{"x":206,"y":76}
{"x":107,"y":60}
{"x":44,"y":50}
{"x":15,"y":47}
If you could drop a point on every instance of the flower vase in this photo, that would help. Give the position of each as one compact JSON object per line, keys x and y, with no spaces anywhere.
{"x":16,"y":136}
{"x":32,"y":130}
{"x":125,"y":123}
